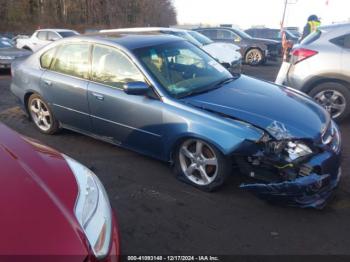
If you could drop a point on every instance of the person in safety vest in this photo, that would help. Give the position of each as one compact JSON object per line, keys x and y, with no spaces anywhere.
{"x":313,"y":22}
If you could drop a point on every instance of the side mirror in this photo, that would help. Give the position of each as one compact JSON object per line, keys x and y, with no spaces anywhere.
{"x":136,"y":88}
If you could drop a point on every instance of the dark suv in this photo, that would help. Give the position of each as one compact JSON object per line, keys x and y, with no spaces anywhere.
{"x":255,"y":51}
{"x":274,"y":34}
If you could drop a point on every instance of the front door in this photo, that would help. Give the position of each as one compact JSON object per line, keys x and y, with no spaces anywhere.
{"x":130,"y":120}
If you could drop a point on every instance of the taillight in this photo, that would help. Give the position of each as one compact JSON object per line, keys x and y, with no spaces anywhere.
{"x":301,"y":54}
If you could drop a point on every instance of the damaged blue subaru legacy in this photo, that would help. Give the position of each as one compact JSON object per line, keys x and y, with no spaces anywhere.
{"x":164,"y":97}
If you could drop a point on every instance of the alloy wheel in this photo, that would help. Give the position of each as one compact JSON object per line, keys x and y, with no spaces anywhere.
{"x":254,"y":57}
{"x":333,"y":101}
{"x":198,"y":162}
{"x":40,"y":114}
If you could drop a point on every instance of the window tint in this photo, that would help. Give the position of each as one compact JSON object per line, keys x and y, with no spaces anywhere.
{"x":225,"y":34}
{"x":46,"y":58}
{"x":52,"y":36}
{"x":347,"y":41}
{"x":111,"y":67}
{"x":211,"y":33}
{"x":67,"y":33}
{"x":42,"y":35}
{"x":73,"y":59}
{"x":343,"y":41}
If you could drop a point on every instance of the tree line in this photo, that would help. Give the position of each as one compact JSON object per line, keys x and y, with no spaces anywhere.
{"x":27,"y":15}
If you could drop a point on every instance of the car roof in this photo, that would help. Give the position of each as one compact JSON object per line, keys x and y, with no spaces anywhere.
{"x":55,"y":29}
{"x":129,"y":40}
{"x":336,"y":27}
{"x":143,"y":29}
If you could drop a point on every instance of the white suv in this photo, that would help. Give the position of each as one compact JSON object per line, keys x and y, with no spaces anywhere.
{"x":43,"y":37}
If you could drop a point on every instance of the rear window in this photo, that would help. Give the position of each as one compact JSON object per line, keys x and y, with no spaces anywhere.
{"x":67,"y":33}
{"x":42,"y":35}
{"x":311,"y":38}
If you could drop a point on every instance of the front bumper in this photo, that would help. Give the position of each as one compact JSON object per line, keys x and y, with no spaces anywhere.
{"x":312,"y":191}
{"x":114,"y":250}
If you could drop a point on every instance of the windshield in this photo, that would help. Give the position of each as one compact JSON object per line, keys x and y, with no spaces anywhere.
{"x":67,"y":33}
{"x":181,"y":68}
{"x":5,"y":43}
{"x":186,"y":36}
{"x":242,"y":33}
{"x":200,"y":38}
{"x":294,"y":32}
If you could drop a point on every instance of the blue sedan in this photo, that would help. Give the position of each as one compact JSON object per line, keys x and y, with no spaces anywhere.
{"x":166,"y":98}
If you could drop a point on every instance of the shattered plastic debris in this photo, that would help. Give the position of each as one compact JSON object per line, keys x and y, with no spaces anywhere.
{"x":278,"y":130}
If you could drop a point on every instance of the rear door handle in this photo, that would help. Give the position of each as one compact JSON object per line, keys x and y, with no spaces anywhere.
{"x":48,"y":82}
{"x":98,"y":96}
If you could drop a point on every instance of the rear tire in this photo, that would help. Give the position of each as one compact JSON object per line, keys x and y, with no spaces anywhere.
{"x":200,"y":164}
{"x":254,"y":57}
{"x":42,"y":115}
{"x":334,"y":97}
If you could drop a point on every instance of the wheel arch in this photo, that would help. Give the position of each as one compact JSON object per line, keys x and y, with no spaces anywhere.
{"x":315,"y":81}
{"x":183,"y":137}
{"x":26,"y":97}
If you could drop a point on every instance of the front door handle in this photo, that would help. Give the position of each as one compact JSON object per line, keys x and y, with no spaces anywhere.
{"x":98,"y":96}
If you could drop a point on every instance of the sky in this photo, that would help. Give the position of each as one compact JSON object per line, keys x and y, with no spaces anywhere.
{"x":247,"y":13}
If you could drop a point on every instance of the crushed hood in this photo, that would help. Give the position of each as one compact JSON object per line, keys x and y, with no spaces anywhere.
{"x":283,"y":112}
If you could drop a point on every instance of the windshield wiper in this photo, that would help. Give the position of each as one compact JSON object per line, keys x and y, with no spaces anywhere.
{"x":216,"y":85}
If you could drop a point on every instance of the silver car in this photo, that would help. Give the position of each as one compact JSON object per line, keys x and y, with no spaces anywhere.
{"x":320,"y":67}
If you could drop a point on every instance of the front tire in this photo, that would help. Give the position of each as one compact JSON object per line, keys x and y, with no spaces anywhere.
{"x":200,"y":164}
{"x":334,"y":97}
{"x":42,"y":115}
{"x":254,"y":57}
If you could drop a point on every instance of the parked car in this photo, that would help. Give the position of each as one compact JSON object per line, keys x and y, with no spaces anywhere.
{"x":319,"y":67}
{"x":227,"y":54}
{"x":15,"y":38}
{"x":164,"y":97}
{"x":255,"y":51}
{"x":43,"y":37}
{"x":8,"y":53}
{"x":274,"y":34}
{"x":52,"y":205}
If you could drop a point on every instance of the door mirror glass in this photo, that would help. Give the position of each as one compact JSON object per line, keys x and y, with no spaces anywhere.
{"x":136,"y":88}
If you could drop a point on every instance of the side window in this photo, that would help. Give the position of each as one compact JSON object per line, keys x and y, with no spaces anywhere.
{"x":73,"y":59}
{"x":225,"y":35}
{"x":52,"y":36}
{"x":347,"y":41}
{"x":46,"y":58}
{"x":42,"y":35}
{"x":113,"y":68}
{"x":212,"y":34}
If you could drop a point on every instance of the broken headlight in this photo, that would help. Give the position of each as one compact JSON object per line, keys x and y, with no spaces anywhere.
{"x":289,"y":150}
{"x":296,"y":150}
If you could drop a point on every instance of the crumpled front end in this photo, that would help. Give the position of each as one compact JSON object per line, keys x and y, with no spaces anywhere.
{"x":295,"y":173}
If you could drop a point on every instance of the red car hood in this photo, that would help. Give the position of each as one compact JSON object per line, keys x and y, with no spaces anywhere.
{"x":37,"y":197}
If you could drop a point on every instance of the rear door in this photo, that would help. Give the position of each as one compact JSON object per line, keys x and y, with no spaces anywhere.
{"x":130,"y":120}
{"x":65,"y":85}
